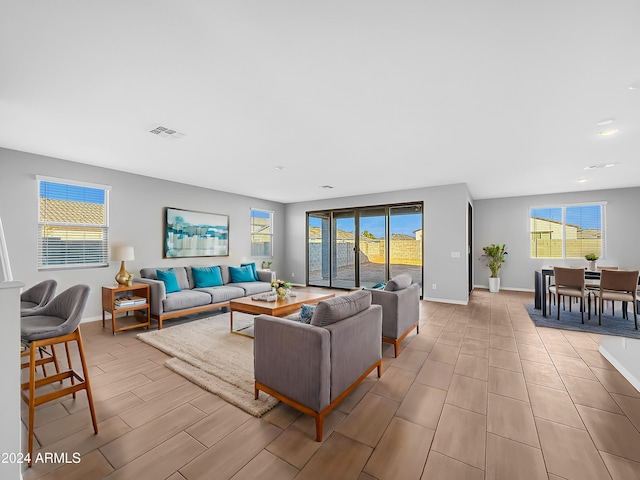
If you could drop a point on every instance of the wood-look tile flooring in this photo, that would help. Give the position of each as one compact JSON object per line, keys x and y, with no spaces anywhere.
{"x":479,"y":393}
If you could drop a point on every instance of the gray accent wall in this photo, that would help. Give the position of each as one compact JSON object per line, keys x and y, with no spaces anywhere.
{"x":136,"y":218}
{"x":506,"y":220}
{"x":445,"y":231}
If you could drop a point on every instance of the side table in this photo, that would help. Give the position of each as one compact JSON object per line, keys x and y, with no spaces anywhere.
{"x":124,"y":299}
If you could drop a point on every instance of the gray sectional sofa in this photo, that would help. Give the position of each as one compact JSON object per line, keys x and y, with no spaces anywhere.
{"x":192,"y":299}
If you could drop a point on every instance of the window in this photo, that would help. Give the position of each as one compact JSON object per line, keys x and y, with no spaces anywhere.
{"x":73,"y":224}
{"x":261,"y":233}
{"x":570,"y":231}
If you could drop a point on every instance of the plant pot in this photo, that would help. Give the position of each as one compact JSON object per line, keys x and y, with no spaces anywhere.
{"x":592,"y":265}
{"x":494,"y":284}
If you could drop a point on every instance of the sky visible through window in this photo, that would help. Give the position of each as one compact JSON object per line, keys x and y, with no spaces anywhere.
{"x":404,"y":224}
{"x":73,"y":193}
{"x":260,"y":214}
{"x":584,"y":216}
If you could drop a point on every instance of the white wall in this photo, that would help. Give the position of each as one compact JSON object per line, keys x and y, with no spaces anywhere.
{"x":10,"y":404}
{"x":445,"y":231}
{"x":506,"y":220}
{"x":136,"y":218}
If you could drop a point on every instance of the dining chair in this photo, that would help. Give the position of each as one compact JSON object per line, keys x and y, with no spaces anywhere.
{"x":569,"y":283}
{"x":618,"y":285}
{"x":55,"y":323}
{"x":594,"y":283}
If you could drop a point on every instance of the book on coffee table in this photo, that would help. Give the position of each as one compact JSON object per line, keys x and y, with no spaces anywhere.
{"x":266,"y":297}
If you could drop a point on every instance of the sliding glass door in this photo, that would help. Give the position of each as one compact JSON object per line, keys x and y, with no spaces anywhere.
{"x":363,"y":247}
{"x":343,"y":243}
{"x":319,"y":249}
{"x":372,"y":242}
{"x":405,"y":247}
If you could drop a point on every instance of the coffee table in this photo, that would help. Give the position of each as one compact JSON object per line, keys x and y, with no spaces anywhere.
{"x":279,"y":308}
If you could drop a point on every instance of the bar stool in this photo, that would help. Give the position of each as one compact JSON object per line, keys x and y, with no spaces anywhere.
{"x":57,"y":322}
{"x":36,"y":297}
{"x":32,"y":300}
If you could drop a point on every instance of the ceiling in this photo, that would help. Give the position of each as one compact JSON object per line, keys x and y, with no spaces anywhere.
{"x":364,"y":96}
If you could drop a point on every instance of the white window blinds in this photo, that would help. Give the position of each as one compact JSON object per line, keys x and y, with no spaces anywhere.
{"x":73,"y":224}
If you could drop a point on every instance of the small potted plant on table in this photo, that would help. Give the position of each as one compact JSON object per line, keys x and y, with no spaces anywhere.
{"x":591,"y":258}
{"x":494,"y":257}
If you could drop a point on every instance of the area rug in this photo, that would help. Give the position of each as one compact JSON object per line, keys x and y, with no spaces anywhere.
{"x":207,"y":354}
{"x":611,"y":325}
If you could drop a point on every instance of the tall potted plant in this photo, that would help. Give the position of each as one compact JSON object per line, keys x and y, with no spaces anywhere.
{"x":494,"y":257}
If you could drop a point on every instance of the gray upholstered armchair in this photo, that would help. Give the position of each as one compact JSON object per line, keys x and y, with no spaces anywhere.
{"x":313,"y":367}
{"x":400,"y":302}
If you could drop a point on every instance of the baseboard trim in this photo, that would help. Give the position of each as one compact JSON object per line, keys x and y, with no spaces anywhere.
{"x":446,"y":300}
{"x":511,"y":289}
{"x":612,"y":358}
{"x":93,"y":319}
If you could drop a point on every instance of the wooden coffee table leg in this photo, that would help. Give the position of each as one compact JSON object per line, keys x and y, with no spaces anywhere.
{"x":231,"y":320}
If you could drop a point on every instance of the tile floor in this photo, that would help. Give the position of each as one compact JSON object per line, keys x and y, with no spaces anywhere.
{"x":480,"y":393}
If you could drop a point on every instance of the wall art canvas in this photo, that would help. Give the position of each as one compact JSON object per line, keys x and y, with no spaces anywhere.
{"x":195,"y":234}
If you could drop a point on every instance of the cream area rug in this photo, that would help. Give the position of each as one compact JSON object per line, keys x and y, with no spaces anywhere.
{"x":207,"y":354}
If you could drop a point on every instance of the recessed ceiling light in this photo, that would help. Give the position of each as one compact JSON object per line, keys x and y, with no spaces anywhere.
{"x":582,"y":180}
{"x":279,"y":167}
{"x":601,"y":165}
{"x":606,"y":133}
{"x":635,"y":85}
{"x":607,"y":121}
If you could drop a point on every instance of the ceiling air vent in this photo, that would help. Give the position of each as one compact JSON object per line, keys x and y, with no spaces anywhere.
{"x":326,"y":187}
{"x":165,"y":132}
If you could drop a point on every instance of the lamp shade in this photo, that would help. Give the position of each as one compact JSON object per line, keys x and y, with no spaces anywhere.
{"x":122,"y":253}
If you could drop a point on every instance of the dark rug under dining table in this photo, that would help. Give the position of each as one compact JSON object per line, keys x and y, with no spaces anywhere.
{"x":611,"y":325}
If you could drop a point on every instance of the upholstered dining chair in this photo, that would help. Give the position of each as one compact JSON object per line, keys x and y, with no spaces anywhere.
{"x":55,"y":323}
{"x":36,"y":297}
{"x":618,"y":285}
{"x":569,"y":283}
{"x":594,"y":283}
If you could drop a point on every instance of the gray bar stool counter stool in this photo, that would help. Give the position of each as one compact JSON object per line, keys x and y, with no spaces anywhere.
{"x":55,"y":323}
{"x":36,"y":297}
{"x":32,"y":300}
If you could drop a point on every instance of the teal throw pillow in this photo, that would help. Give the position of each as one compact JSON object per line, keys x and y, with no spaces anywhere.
{"x":207,"y":276}
{"x":253,"y":269}
{"x":241,"y":274}
{"x":169,"y":279}
{"x":306,"y":313}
